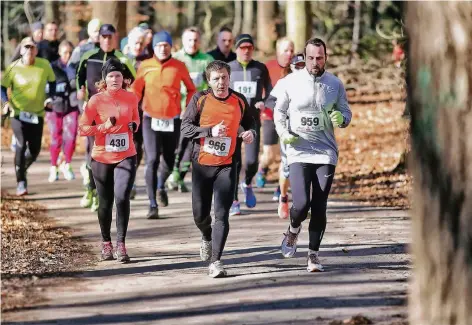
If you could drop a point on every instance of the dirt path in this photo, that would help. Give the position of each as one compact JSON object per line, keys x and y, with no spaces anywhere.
{"x":167,"y":283}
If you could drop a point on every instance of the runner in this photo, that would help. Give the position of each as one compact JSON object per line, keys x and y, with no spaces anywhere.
{"x":112,"y":117}
{"x":62,"y":120}
{"x":224,"y":44}
{"x":136,"y":39}
{"x":312,"y":103}
{"x":48,"y":48}
{"x":27,"y":78}
{"x":196,"y":62}
{"x":278,"y":68}
{"x":297,"y":64}
{"x":37,"y":35}
{"x":158,"y":86}
{"x":251,"y":78}
{"x":93,"y":29}
{"x":88,"y":73}
{"x":213,"y":121}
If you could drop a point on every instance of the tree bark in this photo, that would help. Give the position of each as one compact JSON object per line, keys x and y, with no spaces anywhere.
{"x":266,"y":30}
{"x":190,"y":12}
{"x":440,"y":102}
{"x":132,"y":15}
{"x":71,"y":24}
{"x":237,"y":17}
{"x":298,"y":22}
{"x":111,"y":12}
{"x":7,"y":49}
{"x":356,"y":30}
{"x":51,"y":11}
{"x":248,"y":16}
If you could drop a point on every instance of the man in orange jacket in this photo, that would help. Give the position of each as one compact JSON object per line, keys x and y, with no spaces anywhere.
{"x":158,"y":85}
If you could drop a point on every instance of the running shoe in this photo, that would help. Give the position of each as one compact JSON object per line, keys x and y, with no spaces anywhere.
{"x":283,"y":208}
{"x":260,"y":179}
{"x":107,"y":251}
{"x":162,"y":198}
{"x":171,"y":182}
{"x":86,"y":201}
{"x":182,"y":187}
{"x":276,"y":196}
{"x":216,"y":270}
{"x":67,"y":171}
{"x":235,"y":209}
{"x":249,"y":194}
{"x":205,"y":250}
{"x":120,"y":253}
{"x":132,"y":194}
{"x":53,"y":174}
{"x":85,"y":174}
{"x":153,"y":213}
{"x":289,"y":244}
{"x":314,"y":264}
{"x":94,"y":206}
{"x":21,"y":188}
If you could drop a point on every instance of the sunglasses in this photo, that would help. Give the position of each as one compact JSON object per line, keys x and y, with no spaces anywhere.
{"x":28,"y":47}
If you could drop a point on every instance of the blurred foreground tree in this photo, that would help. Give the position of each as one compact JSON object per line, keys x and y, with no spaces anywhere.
{"x":111,"y":12}
{"x":440,"y":102}
{"x":298,"y":20}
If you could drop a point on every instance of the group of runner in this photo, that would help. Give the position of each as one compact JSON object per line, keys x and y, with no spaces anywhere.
{"x":188,"y":110}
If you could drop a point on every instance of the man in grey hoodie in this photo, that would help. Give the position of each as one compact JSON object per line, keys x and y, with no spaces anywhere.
{"x":312,"y":103}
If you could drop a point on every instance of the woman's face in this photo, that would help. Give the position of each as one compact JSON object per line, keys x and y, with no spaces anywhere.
{"x":138,"y":46}
{"x":114,"y":80}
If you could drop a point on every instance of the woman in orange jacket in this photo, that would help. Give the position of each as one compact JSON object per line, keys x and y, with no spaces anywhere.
{"x":158,"y":85}
{"x":112,"y":117}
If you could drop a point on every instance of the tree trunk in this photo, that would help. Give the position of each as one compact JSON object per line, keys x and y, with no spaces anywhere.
{"x":356,"y":29}
{"x":298,"y":22}
{"x":248,"y":16}
{"x":51,"y":11}
{"x":237,"y":17}
{"x":190,"y":12}
{"x":6,"y":46}
{"x":132,"y":15}
{"x":111,"y":12}
{"x":71,"y":25}
{"x":266,"y":31}
{"x":440,"y":102}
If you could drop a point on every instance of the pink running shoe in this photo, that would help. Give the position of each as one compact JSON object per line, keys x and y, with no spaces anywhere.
{"x":120,"y":253}
{"x":107,"y":251}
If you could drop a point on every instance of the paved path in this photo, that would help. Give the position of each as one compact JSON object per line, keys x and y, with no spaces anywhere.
{"x":167,"y":283}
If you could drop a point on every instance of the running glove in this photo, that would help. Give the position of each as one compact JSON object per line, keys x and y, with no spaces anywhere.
{"x":288,"y":138}
{"x":132,"y":126}
{"x":336,"y":118}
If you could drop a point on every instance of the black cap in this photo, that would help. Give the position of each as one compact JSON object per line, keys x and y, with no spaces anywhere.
{"x":112,"y":64}
{"x":107,"y":29}
{"x":243,"y":38}
{"x":297,"y":58}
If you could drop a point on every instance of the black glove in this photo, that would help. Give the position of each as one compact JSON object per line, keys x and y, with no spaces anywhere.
{"x":113,"y":120}
{"x":132,"y":126}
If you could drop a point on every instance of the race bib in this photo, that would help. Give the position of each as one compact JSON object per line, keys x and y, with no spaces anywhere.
{"x":117,"y":142}
{"x":163,"y":125}
{"x":217,"y":146}
{"x":29,"y":118}
{"x":197,"y":78}
{"x":308,"y":122}
{"x":247,"y":88}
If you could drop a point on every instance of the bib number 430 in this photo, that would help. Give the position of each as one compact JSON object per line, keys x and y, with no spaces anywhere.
{"x":117,"y":142}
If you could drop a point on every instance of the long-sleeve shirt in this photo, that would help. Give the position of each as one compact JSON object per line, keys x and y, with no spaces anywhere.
{"x":115,"y":144}
{"x":252,"y":80}
{"x":303,"y":105}
{"x":205,"y":111}
{"x":158,"y":85}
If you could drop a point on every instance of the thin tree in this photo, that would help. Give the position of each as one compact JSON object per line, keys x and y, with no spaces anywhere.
{"x":248,"y":16}
{"x":440,"y":102}
{"x":266,"y":31}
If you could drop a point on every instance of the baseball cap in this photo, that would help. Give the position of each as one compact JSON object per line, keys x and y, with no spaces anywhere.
{"x":297,"y":58}
{"x":36,"y":25}
{"x":243,"y":38}
{"x":107,"y":29}
{"x":27,"y":41}
{"x":144,"y":26}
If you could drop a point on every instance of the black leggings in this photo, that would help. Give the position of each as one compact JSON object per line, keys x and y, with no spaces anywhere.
{"x":29,"y":136}
{"x":251,"y":159}
{"x":303,"y":178}
{"x":207,"y":180}
{"x":155,"y":143}
{"x":114,"y":182}
{"x":183,"y":156}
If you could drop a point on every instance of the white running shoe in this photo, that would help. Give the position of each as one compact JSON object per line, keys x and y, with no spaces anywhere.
{"x":314,"y":264}
{"x":85,"y":174}
{"x":205,"y":250}
{"x":53,"y":174}
{"x":68,"y":172}
{"x":216,"y":270}
{"x":289,"y":244}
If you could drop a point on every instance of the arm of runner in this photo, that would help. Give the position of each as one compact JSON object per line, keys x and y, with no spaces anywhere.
{"x":248,"y":122}
{"x":81,"y":75}
{"x":191,"y":121}
{"x":342,"y":106}
{"x":191,"y":90}
{"x":74,"y":58}
{"x":86,"y":127}
{"x":280,"y":118}
{"x":138,"y":85}
{"x":135,"y":118}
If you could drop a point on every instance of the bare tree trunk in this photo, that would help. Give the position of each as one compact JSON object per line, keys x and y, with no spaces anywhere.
{"x":237,"y":17}
{"x":71,"y":24}
{"x":356,"y":29}
{"x":51,"y":11}
{"x":111,"y":12}
{"x":190,"y":12}
{"x":440,"y":101}
{"x":132,"y":15}
{"x":7,"y":50}
{"x":266,"y":31}
{"x":248,"y":16}
{"x":298,"y":21}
